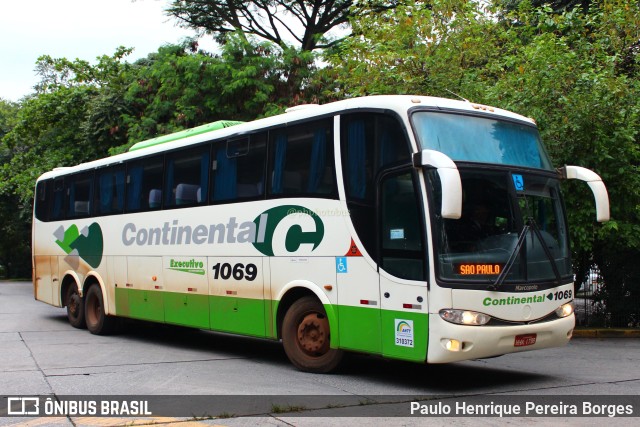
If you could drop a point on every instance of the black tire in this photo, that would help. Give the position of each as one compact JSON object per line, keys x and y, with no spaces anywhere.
{"x":306,"y":336}
{"x":75,"y":307}
{"x":98,"y":323}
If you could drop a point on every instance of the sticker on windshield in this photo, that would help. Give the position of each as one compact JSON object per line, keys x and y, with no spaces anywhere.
{"x":518,"y":182}
{"x":396,"y":234}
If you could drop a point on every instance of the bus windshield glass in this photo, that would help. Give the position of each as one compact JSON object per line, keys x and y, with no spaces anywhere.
{"x":509,"y":220}
{"x":481,"y":139}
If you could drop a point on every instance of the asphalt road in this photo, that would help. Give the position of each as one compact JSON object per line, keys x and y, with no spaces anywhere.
{"x":43,"y":355}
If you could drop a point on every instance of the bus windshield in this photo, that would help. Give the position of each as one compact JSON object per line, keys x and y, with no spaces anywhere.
{"x":512,"y":218}
{"x":481,"y":139}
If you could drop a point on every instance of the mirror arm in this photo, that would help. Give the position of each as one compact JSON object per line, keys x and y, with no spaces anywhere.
{"x":596,"y":185}
{"x":449,"y":180}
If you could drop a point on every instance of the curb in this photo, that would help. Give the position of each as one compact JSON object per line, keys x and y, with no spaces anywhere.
{"x":606,"y":333}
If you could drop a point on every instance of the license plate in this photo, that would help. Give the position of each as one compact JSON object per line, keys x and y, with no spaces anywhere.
{"x":525,"y":340}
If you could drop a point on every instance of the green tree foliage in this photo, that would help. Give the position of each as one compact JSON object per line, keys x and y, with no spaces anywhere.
{"x":72,"y":118}
{"x":557,"y":6}
{"x":85,"y":111}
{"x":177,"y":88}
{"x":576,"y":72}
{"x":8,"y":116}
{"x":417,"y":47}
{"x":14,"y":247}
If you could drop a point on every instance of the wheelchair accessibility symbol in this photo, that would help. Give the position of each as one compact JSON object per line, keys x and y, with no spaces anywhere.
{"x":518,"y":182}
{"x":341,"y":264}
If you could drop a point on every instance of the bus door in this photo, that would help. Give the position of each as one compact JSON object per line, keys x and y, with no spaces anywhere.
{"x":237,"y":302}
{"x":402,"y":267}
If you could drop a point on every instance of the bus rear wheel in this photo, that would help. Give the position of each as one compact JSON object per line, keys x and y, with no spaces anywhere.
{"x":306,"y":337}
{"x":97,"y":321}
{"x":75,"y":307}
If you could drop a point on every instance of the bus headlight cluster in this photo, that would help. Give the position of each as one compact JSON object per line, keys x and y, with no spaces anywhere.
{"x":565,"y":310}
{"x":465,"y":317}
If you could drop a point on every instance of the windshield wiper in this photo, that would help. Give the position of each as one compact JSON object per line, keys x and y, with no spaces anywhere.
{"x":512,"y":259}
{"x":533,"y":226}
{"x":545,"y":248}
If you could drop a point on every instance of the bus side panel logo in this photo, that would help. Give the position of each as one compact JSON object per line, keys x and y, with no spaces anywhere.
{"x":295,"y":235}
{"x":88,"y":243}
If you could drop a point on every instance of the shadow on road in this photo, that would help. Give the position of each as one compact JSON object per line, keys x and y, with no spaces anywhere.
{"x":451,"y":378}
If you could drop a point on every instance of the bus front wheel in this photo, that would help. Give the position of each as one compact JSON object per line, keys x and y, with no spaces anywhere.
{"x":97,"y":321}
{"x":75,"y":307}
{"x":306,"y":337}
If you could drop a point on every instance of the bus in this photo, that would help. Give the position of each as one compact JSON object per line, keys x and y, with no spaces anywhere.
{"x":409,"y":227}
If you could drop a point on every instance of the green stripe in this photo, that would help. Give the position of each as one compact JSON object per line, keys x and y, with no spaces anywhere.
{"x":198,"y":271}
{"x":220,"y":124}
{"x":418,"y":353}
{"x":362,"y":329}
{"x":359,"y":328}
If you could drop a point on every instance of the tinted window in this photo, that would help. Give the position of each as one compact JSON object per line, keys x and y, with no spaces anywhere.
{"x":371,"y":144}
{"x":302,"y":160}
{"x":402,"y":253}
{"x":186,"y":177}
{"x":57,"y":206}
{"x":144,"y":184}
{"x":41,"y":200}
{"x":238,"y":168}
{"x":79,"y":195}
{"x":481,"y":139}
{"x":110,"y":190}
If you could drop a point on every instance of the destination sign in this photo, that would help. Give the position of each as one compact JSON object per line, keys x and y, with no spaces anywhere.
{"x":474,"y":268}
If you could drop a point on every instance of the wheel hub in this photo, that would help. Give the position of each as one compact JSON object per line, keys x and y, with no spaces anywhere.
{"x":313,"y":334}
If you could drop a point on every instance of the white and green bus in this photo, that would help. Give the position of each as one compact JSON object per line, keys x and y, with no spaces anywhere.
{"x":415,"y":228}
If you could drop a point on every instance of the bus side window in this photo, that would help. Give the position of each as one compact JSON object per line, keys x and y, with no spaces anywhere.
{"x":144,"y":185}
{"x":238,"y":168}
{"x":110,"y":190}
{"x":57,"y":207}
{"x":302,"y":160}
{"x":79,"y":195}
{"x":187,"y":177}
{"x":402,"y":253}
{"x":42,"y":200}
{"x":371,"y":144}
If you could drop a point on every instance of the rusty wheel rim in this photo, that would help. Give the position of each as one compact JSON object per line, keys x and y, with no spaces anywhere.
{"x":313,"y":334}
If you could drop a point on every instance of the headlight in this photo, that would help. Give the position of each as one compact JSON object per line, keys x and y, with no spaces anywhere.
{"x":565,"y":310}
{"x":464,"y":317}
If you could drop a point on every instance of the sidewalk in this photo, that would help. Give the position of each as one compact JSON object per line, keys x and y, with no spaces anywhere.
{"x":606,"y":333}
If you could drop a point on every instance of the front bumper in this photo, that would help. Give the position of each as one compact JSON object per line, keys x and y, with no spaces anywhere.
{"x":478,"y":342}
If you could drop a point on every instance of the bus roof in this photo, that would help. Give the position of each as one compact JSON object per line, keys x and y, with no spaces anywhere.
{"x":225,"y":129}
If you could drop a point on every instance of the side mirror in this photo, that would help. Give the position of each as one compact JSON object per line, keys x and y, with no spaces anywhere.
{"x":597,"y":188}
{"x":449,"y":180}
